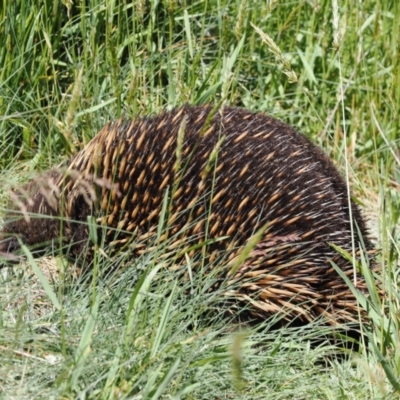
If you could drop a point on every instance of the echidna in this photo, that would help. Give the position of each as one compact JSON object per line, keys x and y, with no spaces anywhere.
{"x":219,"y":176}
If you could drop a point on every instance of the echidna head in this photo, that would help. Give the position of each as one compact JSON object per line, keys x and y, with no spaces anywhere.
{"x":32,"y":231}
{"x":28,"y":221}
{"x":10,"y":244}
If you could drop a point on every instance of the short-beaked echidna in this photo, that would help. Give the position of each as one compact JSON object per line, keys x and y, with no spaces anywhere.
{"x":225,"y":174}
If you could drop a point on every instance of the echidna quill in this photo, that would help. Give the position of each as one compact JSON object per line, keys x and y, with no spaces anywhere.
{"x":225,"y":175}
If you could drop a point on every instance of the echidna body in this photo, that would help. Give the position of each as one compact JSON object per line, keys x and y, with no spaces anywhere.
{"x":222,"y":175}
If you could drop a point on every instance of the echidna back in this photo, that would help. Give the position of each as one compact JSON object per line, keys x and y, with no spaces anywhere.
{"x":225,"y":173}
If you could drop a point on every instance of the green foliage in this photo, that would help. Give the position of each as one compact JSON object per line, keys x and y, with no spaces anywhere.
{"x":142,"y":332}
{"x":69,"y":67}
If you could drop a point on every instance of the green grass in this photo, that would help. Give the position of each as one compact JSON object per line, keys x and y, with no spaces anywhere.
{"x":143,"y":333}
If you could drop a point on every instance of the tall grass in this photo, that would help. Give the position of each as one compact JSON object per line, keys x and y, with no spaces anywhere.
{"x":69,"y":67}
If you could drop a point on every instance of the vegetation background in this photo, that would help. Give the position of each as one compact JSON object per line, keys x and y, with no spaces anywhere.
{"x":330,"y":68}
